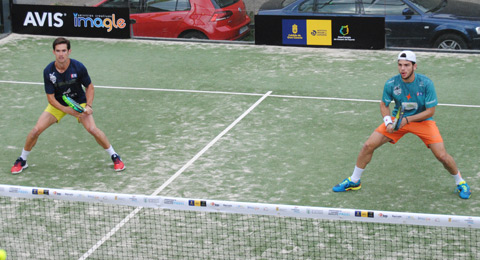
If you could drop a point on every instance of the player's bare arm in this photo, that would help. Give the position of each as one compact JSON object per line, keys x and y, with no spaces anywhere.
{"x":429,"y":112}
{"x":90,"y":94}
{"x":385,"y":111}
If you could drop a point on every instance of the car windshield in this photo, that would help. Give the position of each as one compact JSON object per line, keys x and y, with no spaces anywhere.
{"x":383,"y":7}
{"x":224,"y":3}
{"x":287,"y":2}
{"x":115,"y":3}
{"x":429,"y":6}
{"x":330,"y":6}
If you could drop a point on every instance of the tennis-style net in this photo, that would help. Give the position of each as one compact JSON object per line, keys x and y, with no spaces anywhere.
{"x":46,"y":223}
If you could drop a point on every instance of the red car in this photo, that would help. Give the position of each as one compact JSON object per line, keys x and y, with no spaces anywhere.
{"x":200,"y":19}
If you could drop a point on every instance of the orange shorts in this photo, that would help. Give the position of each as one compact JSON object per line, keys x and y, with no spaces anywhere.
{"x":425,"y":130}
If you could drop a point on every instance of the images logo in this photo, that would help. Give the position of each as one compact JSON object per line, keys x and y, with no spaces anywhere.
{"x":344,"y":30}
{"x":105,"y":21}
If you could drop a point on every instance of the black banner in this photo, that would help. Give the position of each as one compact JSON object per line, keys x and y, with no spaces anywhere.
{"x":321,"y":31}
{"x":71,"y":21}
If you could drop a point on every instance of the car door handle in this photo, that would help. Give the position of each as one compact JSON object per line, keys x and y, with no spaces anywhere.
{"x":388,"y":31}
{"x":177,"y":18}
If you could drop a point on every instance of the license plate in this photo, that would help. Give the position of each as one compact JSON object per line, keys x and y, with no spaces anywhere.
{"x":243,"y":29}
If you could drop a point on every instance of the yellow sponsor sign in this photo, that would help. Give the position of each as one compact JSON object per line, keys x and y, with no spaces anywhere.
{"x":319,"y":32}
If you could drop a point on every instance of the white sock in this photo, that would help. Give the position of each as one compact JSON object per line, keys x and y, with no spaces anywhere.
{"x":24,"y":154}
{"x":357,"y":174}
{"x":110,"y":151}
{"x":458,"y":178}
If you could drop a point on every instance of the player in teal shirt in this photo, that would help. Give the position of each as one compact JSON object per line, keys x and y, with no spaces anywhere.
{"x":415,"y":97}
{"x":415,"y":93}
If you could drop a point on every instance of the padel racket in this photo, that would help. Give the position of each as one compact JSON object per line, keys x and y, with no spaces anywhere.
{"x":73,"y":104}
{"x":398,"y":118}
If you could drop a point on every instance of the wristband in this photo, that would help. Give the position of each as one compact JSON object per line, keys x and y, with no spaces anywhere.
{"x":89,"y":106}
{"x":407,"y":120}
{"x":387,"y":120}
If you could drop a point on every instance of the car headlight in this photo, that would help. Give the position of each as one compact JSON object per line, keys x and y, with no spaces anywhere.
{"x":478,"y":30}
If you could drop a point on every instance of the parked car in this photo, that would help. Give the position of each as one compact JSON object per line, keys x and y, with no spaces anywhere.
{"x":200,"y":19}
{"x":408,"y":23}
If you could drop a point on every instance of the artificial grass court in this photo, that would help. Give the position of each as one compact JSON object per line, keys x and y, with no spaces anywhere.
{"x":161,"y":103}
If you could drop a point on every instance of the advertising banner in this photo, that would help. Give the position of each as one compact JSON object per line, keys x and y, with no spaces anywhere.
{"x":335,"y":32}
{"x":71,"y":21}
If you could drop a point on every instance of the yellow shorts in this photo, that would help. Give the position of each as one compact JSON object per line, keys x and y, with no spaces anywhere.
{"x":58,"y":114}
{"x":425,"y":130}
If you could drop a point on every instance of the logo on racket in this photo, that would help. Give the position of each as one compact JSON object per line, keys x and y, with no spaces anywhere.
{"x":73,"y":104}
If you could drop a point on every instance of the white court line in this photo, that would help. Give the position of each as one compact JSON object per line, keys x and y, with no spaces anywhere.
{"x":111,"y":233}
{"x":238,"y":93}
{"x":148,"y":89}
{"x":210,"y":144}
{"x":171,"y":179}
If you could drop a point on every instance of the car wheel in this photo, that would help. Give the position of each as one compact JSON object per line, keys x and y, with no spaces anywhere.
{"x":450,"y":41}
{"x":194,"y":35}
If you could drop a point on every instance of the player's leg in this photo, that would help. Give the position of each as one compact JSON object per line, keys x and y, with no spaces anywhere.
{"x":45,"y":120}
{"x":430,"y":135}
{"x":375,"y":140}
{"x":446,"y":159}
{"x":449,"y":163}
{"x":89,"y":123}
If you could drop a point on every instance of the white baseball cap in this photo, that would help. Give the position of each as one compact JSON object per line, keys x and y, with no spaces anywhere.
{"x":407,"y":55}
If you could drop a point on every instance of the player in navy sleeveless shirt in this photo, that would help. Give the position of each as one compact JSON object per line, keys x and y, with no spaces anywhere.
{"x":66,"y":76}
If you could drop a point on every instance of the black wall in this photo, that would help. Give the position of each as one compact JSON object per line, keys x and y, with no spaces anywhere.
{"x":71,"y":21}
{"x":334,"y":32}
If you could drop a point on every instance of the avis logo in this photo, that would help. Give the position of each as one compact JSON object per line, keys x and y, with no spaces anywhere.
{"x":41,"y":19}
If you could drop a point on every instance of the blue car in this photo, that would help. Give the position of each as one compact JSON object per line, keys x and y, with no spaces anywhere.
{"x":408,"y":23}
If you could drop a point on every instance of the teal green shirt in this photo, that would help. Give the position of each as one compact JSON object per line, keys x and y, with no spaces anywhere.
{"x":415,"y":97}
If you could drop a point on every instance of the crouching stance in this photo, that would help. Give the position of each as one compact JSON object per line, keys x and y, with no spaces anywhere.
{"x":415,"y":95}
{"x":66,"y":76}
